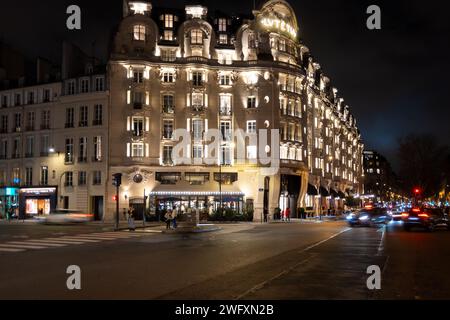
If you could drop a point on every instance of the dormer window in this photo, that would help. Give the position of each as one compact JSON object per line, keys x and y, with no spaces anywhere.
{"x":168,"y":35}
{"x":223,"y":39}
{"x":196,"y":36}
{"x":139,"y":32}
{"x":140,"y":7}
{"x":222,"y":25}
{"x":168,"y":21}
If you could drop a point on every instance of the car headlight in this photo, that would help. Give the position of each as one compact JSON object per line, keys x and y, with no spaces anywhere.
{"x":350,"y":216}
{"x":364,"y":218}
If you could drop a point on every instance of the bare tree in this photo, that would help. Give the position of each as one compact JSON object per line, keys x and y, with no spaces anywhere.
{"x":422,"y":163}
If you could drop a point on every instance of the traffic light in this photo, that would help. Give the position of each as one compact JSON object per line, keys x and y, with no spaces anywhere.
{"x":114,"y":198}
{"x":117,"y":179}
{"x":416,"y":191}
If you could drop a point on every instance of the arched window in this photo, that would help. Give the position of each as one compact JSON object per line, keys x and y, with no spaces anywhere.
{"x":196,"y":36}
{"x":139,"y":32}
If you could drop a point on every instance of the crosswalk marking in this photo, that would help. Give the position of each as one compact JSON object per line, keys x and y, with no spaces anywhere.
{"x":11,"y":250}
{"x":21,"y":245}
{"x":33,"y":243}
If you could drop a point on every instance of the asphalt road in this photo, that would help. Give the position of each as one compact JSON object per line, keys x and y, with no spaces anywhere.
{"x":249,"y":261}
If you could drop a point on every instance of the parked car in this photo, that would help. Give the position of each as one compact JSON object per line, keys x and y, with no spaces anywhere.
{"x":62,"y":216}
{"x":369,"y":216}
{"x":425,"y":218}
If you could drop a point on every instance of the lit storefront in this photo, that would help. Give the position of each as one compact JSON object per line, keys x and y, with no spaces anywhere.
{"x":37,"y":201}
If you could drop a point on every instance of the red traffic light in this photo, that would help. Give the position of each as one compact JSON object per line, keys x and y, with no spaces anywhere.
{"x":416,"y":190}
{"x":114,"y":198}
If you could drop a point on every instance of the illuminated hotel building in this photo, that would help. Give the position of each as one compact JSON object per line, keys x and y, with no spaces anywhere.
{"x":169,"y":69}
{"x":195,"y":70}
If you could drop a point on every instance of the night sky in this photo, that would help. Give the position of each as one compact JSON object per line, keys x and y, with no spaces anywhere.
{"x":395,"y":80}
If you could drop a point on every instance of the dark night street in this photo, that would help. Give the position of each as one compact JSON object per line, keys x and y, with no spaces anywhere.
{"x":247,"y":261}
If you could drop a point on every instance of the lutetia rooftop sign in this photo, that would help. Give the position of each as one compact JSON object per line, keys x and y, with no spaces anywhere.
{"x":280,"y":25}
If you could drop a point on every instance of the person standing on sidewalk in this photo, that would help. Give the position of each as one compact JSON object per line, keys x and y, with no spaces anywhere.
{"x":168,"y":217}
{"x":174,"y":218}
{"x":288,"y":214}
{"x":131,"y":225}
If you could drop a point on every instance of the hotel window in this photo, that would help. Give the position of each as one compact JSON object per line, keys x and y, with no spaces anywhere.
{"x":30,"y":97}
{"x":168,"y":77}
{"x":45,"y":120}
{"x":168,"y":103}
{"x":168,"y":21}
{"x":97,"y":178}
{"x":44,"y":176}
{"x":138,"y":76}
{"x":251,"y":126}
{"x":225,"y":104}
{"x":84,"y":85}
{"x":16,"y":148}
{"x":18,"y":99}
{"x":4,"y":149}
{"x":167,"y":155}
{"x":30,"y":147}
{"x":282,"y":45}
{"x":4,"y":101}
{"x":44,"y":145}
{"x":251,"y":102}
{"x":197,"y":151}
{"x":138,"y":126}
{"x":83,"y":116}
{"x":98,"y":115}
{"x":167,"y":129}
{"x":99,"y":84}
{"x":70,"y":117}
{"x":168,"y":35}
{"x":71,"y":87}
{"x":168,"y":55}
{"x":28,"y":176}
{"x":197,"y":129}
{"x":82,"y":178}
{"x":68,"y":157}
{"x":196,"y":37}
{"x":31,"y":117}
{"x":97,"y":149}
{"x":17,"y":122}
{"x":197,"y":78}
{"x":139,"y":32}
{"x":197,"y":99}
{"x":223,"y":39}
{"x":222,"y":25}
{"x":225,"y":129}
{"x":15,"y":176}
{"x":82,"y":152}
{"x":225,"y":158}
{"x":4,"y":124}
{"x":225,"y":80}
{"x":138,"y":99}
{"x":137,"y":150}
{"x":251,"y":152}
{"x":69,"y":179}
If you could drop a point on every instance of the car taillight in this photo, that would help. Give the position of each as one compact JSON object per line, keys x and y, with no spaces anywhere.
{"x":405,"y":215}
{"x":423,"y":215}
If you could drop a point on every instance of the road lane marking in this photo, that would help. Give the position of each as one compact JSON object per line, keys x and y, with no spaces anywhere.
{"x":79,"y":239}
{"x":11,"y":250}
{"x":94,"y":238}
{"x":381,"y":245}
{"x":286,"y":271}
{"x":16,"y":246}
{"x":60,"y":240}
{"x":33,"y":243}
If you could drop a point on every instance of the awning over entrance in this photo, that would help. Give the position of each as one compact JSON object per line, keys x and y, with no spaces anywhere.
{"x":312,"y":190}
{"x":324,"y":192}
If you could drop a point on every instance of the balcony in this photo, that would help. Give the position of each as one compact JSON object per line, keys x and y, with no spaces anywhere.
{"x":167,"y":135}
{"x":45,"y":127}
{"x":69,"y":125}
{"x":82,"y":124}
{"x":225,"y":111}
{"x":167,"y":162}
{"x":29,"y":155}
{"x":82,"y":159}
{"x":29,"y":128}
{"x":97,"y":122}
{"x":17,"y":130}
{"x":138,"y":105}
{"x":68,"y":184}
{"x":198,"y":108}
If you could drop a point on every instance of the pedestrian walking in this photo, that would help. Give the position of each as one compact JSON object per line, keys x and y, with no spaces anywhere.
{"x":131,"y":224}
{"x":174,"y":218}
{"x":168,"y":217}
{"x":288,"y":214}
